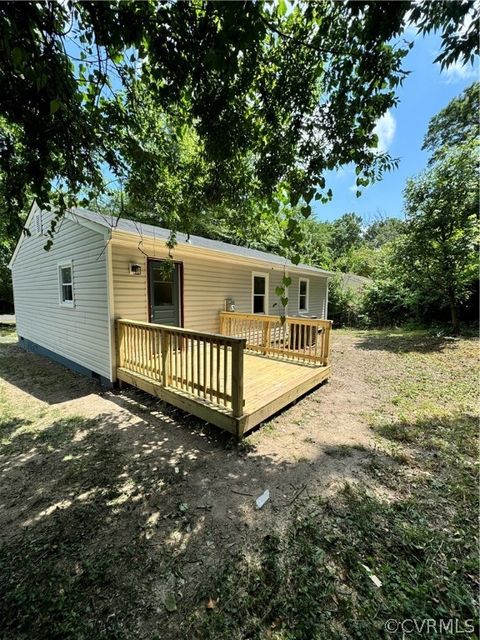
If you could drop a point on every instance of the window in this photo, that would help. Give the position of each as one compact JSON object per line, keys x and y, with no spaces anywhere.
{"x":303,"y":288}
{"x":260,"y":293}
{"x":65,"y":282}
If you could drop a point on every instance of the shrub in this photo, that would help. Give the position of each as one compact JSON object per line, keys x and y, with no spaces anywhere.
{"x":387,"y":303}
{"x":344,"y":304}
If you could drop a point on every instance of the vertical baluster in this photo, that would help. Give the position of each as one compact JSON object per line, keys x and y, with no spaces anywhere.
{"x":130,"y":347}
{"x":156,"y":347}
{"x":179,"y":361}
{"x":187,"y":363}
{"x":204,"y":377}
{"x":185,"y":358}
{"x":217,"y":346}
{"x":175,"y":359}
{"x":192,"y":364}
{"x":225,"y":373}
{"x":146,"y":349}
{"x":199,"y":376}
{"x":135,"y":340}
{"x":150,"y":352}
{"x":312,"y":337}
{"x":210,"y":344}
{"x":135,"y":349}
{"x":126,"y":345}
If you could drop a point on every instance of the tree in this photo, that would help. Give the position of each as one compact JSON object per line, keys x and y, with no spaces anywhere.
{"x":383,"y":231}
{"x":439,"y":254}
{"x":315,"y":246}
{"x":346,"y":234}
{"x":456,"y":124}
{"x":268,"y":87}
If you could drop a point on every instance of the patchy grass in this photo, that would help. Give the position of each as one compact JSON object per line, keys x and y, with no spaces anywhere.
{"x":90,"y":556}
{"x":315,"y":580}
{"x":62,"y":572}
{"x":8,"y":333}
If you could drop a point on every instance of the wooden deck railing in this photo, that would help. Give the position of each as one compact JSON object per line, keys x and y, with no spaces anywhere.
{"x":300,"y":339}
{"x":204,"y":365}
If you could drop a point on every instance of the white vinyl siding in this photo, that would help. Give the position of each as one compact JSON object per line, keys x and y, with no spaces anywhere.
{"x":79,"y":333}
{"x":208,"y":281}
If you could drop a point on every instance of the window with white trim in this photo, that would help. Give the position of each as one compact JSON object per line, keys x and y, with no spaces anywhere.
{"x":65,"y":283}
{"x":303,"y":291}
{"x":260,"y":293}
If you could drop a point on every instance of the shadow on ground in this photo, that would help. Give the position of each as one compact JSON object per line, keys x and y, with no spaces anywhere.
{"x":110,"y":525}
{"x":42,"y":378}
{"x":405,"y":343}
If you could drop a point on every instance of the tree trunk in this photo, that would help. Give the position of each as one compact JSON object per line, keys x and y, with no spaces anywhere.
{"x":454,"y":313}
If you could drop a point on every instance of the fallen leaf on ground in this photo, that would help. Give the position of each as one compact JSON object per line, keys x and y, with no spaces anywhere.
{"x":170,"y":603}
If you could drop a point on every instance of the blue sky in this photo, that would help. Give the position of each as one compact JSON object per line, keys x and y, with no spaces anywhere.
{"x":424,"y":92}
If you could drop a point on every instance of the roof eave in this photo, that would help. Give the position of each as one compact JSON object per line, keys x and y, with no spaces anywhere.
{"x":123,"y":235}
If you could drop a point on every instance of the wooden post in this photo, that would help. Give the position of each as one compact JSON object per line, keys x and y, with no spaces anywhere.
{"x":326,"y":347}
{"x":120,"y":344}
{"x":166,"y":347}
{"x":237,"y":378}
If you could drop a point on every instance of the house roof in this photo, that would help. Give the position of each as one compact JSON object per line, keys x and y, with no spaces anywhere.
{"x":146,"y":230}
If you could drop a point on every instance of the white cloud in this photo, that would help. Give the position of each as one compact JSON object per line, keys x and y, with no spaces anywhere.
{"x":458,"y":71}
{"x":385,"y":130}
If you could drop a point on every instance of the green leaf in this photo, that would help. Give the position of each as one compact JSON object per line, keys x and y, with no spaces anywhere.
{"x":55,"y":105}
{"x":170,"y":602}
{"x":18,"y":55}
{"x":306,"y":211}
{"x":287,"y":281}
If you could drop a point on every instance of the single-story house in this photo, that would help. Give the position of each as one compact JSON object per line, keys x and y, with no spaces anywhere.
{"x":106,"y":277}
{"x":354,"y":282}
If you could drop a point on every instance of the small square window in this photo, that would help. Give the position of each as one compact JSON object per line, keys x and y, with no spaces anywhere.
{"x":65,"y":281}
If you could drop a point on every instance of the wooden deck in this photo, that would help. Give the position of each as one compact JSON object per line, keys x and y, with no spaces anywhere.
{"x":211,"y":376}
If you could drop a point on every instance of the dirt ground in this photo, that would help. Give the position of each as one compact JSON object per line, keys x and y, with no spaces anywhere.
{"x":132,"y":468}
